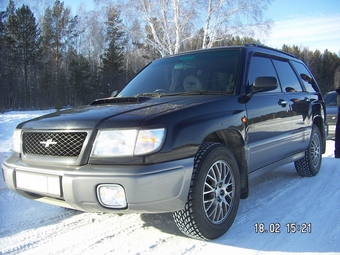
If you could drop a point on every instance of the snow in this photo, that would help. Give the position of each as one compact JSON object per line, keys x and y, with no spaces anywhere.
{"x":277,"y":198}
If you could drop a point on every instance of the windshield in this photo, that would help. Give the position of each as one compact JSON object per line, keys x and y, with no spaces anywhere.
{"x":331,"y":98}
{"x":213,"y":71}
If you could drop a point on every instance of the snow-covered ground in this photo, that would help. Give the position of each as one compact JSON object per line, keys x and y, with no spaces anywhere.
{"x":277,"y":198}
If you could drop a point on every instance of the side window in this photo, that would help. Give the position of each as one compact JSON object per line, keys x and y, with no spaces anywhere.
{"x":305,"y":75}
{"x":261,"y":66}
{"x":288,"y":79}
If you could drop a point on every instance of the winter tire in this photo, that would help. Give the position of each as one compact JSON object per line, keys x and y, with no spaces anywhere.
{"x":214,"y":194}
{"x":310,"y":164}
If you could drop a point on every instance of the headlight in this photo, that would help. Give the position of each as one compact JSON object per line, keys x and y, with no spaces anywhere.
{"x":16,"y":141}
{"x":116,"y":143}
{"x":149,"y":141}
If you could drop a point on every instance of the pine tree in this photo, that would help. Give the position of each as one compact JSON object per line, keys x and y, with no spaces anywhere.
{"x":58,"y":35}
{"x":80,"y":87}
{"x":3,"y":88}
{"x":27,"y":38}
{"x":19,"y":50}
{"x":10,"y":63}
{"x":113,"y":73}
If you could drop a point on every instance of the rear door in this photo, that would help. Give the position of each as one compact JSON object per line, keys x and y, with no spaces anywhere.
{"x":269,"y":120}
{"x":300,"y":100}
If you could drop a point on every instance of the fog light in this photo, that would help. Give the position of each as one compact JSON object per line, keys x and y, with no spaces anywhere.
{"x":111,"y":195}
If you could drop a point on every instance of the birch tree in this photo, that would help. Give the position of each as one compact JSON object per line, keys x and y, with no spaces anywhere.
{"x":93,"y":38}
{"x":167,"y":22}
{"x":170,"y":23}
{"x":232,"y":17}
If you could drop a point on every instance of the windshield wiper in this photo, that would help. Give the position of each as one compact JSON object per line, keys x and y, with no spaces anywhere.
{"x":189,"y":93}
{"x":197,"y":92}
{"x":149,"y":94}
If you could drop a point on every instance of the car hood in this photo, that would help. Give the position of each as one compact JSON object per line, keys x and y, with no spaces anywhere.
{"x":113,"y":113}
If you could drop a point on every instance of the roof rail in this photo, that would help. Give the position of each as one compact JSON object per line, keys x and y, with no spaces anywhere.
{"x":270,"y":48}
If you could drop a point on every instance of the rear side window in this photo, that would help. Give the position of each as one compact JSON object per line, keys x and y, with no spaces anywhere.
{"x":288,"y":79}
{"x":306,"y":77}
{"x":261,"y":66}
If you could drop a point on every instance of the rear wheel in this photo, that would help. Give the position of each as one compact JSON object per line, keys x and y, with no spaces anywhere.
{"x":310,"y":164}
{"x":214,"y":194}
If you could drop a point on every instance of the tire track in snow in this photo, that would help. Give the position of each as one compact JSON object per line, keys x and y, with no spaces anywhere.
{"x":248,"y":207}
{"x":73,"y":232}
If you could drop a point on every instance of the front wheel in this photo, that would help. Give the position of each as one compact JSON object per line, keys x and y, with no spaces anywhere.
{"x":310,"y":164}
{"x":214,"y":194}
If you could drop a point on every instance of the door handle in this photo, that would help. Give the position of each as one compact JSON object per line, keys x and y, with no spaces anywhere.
{"x":283,"y":103}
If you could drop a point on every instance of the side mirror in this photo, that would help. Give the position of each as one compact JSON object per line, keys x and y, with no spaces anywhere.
{"x":264,"y":83}
{"x":261,"y":84}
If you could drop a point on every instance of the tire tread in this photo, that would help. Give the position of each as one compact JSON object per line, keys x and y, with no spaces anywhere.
{"x":185,"y":219}
{"x":303,"y":166}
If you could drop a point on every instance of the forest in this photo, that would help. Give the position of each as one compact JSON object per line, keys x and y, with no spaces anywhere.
{"x":54,"y":59}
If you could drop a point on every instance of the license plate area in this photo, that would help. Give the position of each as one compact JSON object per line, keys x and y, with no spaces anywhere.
{"x":46,"y":184}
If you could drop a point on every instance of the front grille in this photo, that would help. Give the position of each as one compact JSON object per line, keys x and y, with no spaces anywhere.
{"x":58,"y":144}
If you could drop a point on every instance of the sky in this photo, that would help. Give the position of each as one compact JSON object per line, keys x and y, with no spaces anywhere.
{"x":313,"y":24}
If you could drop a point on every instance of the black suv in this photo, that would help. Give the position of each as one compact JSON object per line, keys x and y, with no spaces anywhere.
{"x":181,"y":137}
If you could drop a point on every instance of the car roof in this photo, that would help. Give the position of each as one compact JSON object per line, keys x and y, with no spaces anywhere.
{"x":260,"y":48}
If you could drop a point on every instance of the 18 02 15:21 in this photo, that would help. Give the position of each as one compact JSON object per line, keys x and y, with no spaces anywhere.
{"x":290,"y":228}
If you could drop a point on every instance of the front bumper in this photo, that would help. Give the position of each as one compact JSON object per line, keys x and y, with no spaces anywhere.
{"x":152,"y":188}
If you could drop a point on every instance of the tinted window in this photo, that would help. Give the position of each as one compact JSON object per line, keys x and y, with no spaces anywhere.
{"x":261,"y":66}
{"x":213,"y":71}
{"x":305,"y":75}
{"x":288,"y":79}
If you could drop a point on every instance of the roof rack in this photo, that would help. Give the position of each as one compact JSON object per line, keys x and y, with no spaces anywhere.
{"x":270,"y":48}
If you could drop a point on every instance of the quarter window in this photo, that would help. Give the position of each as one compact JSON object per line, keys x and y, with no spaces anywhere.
{"x":306,"y":77}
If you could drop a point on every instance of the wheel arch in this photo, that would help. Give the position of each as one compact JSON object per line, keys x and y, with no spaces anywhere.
{"x":234,"y":141}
